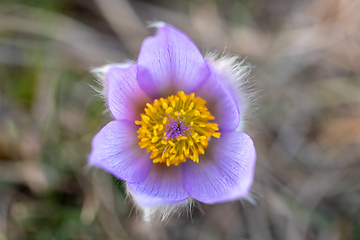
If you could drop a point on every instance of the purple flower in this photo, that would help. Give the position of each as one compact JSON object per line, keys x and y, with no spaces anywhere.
{"x":176,"y":133}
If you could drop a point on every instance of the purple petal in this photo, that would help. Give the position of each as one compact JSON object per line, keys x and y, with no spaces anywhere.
{"x":125,"y":98}
{"x":170,"y":61}
{"x":115,"y":149}
{"x":163,"y":185}
{"x":220,"y":101}
{"x":226,"y":173}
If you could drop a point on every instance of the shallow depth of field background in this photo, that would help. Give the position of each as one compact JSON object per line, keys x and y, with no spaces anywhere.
{"x":305,"y":122}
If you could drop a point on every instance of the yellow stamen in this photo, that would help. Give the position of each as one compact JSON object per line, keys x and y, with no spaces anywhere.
{"x":176,"y":128}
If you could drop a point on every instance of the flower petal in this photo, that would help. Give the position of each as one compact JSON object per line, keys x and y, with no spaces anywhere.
{"x":115,"y":150}
{"x":220,"y":101}
{"x":163,"y":185}
{"x":170,"y":61}
{"x":125,"y":98}
{"x":225,"y":173}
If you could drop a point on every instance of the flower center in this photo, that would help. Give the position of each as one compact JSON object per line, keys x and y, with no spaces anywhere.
{"x":176,"y":128}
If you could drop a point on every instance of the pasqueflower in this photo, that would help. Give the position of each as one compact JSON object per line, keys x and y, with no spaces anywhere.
{"x":176,"y":133}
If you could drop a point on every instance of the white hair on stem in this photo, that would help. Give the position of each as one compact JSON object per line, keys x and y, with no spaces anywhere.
{"x":162,"y":213}
{"x":155,"y":24}
{"x":100,"y":75}
{"x":236,"y":72}
{"x":251,"y":197}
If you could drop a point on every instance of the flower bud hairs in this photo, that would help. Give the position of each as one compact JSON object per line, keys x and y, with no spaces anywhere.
{"x":176,"y":137}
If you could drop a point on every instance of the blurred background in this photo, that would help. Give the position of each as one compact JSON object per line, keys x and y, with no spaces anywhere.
{"x":305,"y":121}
